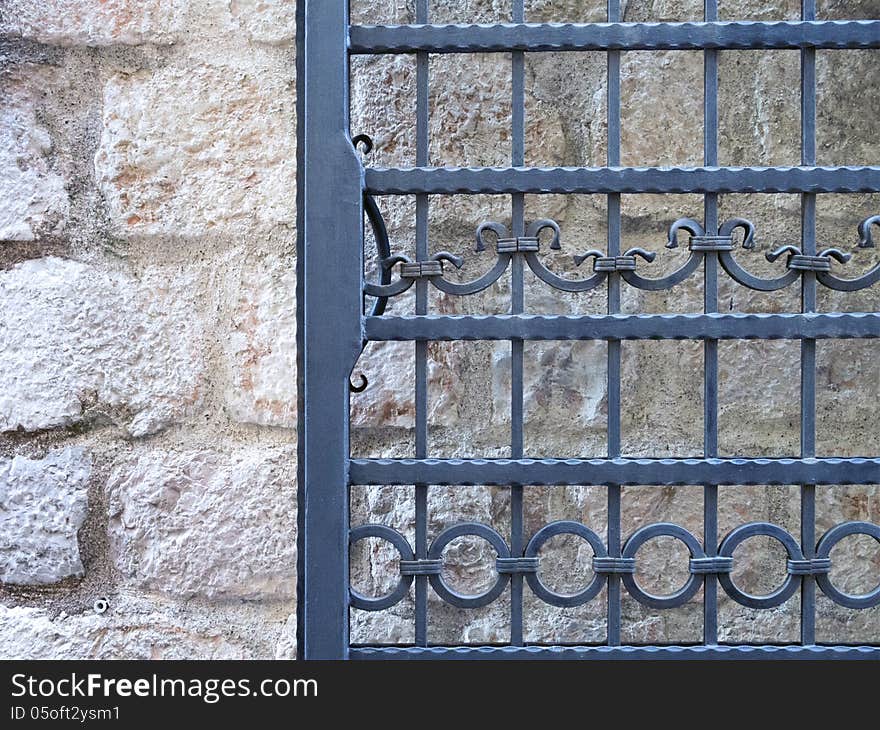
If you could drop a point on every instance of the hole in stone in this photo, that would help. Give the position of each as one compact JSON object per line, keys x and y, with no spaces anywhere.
{"x":374,"y":567}
{"x":662,"y":565}
{"x":759,"y":565}
{"x":855,"y":565}
{"x":565,"y":564}
{"x":469,"y":565}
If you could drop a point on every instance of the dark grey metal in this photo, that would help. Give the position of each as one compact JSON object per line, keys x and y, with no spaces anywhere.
{"x":712,"y":246}
{"x":421,"y":347}
{"x":325,"y":355}
{"x":334,"y":324}
{"x":515,"y":36}
{"x":634,"y":653}
{"x":616,"y":471}
{"x":499,"y":180}
{"x":725,"y":326}
{"x":612,"y":159}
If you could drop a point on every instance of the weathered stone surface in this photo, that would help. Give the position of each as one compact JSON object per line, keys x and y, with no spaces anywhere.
{"x":93,"y":22}
{"x":202,"y":523}
{"x":261,"y":348}
{"x":286,"y":647}
{"x":389,"y":399}
{"x":192,"y":151}
{"x":43,"y":503}
{"x":79,"y":342}
{"x":33,"y":199}
{"x":265,"y":21}
{"x":32,"y":633}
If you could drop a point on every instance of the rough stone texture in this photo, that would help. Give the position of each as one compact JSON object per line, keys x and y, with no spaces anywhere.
{"x":81,"y":343}
{"x":178,"y":196}
{"x":92,"y":22}
{"x":43,"y":503}
{"x":197,"y":150}
{"x":201,"y":523}
{"x":137,"y":627}
{"x":286,"y":647}
{"x":265,"y":21}
{"x":33,"y":199}
{"x":262,"y":345}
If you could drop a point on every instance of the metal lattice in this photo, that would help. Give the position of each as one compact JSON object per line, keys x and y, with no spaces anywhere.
{"x":334,"y":328}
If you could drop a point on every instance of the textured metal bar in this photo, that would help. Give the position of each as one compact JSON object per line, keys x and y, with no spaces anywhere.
{"x":625,"y":327}
{"x":614,"y":346}
{"x":797,"y":653}
{"x":327,"y":226}
{"x":808,"y":346}
{"x":615,"y":471}
{"x":421,"y":353}
{"x":499,"y":180}
{"x":517,"y":304}
{"x":615,"y":36}
{"x":710,"y":347}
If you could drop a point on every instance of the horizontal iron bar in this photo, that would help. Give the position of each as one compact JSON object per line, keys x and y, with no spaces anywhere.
{"x":618,"y":652}
{"x":625,"y":327}
{"x":505,"y":180}
{"x":615,"y":471}
{"x":614,"y":36}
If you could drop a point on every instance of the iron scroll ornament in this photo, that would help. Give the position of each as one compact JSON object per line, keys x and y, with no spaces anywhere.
{"x":700,"y":243}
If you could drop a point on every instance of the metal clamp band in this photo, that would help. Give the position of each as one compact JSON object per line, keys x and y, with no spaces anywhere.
{"x":816,"y":566}
{"x":523,"y":244}
{"x":711,"y":243}
{"x":516,"y":565}
{"x":421,"y":269}
{"x":713,"y":565}
{"x":801,"y":262}
{"x":614,"y":565}
{"x":421,"y":567}
{"x":615,"y":263}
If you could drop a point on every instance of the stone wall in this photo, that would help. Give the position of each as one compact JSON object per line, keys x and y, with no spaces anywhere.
{"x":147,"y":379}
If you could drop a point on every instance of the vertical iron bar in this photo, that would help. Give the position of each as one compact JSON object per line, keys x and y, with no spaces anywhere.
{"x":614,"y":537}
{"x":808,"y":347}
{"x":421,"y":370}
{"x":329,"y":311}
{"x":516,"y":346}
{"x":710,"y":347}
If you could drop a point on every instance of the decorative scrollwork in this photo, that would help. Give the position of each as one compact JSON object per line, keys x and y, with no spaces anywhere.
{"x":700,"y":243}
{"x":700,"y":565}
{"x":871,"y":277}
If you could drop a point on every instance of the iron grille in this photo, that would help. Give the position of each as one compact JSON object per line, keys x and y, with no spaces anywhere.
{"x":333,"y":329}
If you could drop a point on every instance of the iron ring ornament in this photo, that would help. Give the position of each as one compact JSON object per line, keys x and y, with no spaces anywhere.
{"x":388,"y":534}
{"x":452,"y":596}
{"x":548,"y":532}
{"x":694,"y":581}
{"x":700,"y":565}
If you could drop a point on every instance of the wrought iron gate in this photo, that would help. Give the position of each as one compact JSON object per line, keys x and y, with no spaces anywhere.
{"x":336,"y":192}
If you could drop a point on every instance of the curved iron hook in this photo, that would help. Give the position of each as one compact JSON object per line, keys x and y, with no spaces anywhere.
{"x":361,"y":387}
{"x":866,"y":237}
{"x":867,"y":279}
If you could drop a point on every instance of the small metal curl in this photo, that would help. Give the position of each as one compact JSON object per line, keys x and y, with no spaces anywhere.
{"x":499,"y":229}
{"x":772,"y":256}
{"x":592,"y":253}
{"x":837,"y":254}
{"x":101,"y":605}
{"x":648,"y":256}
{"x":361,"y":387}
{"x":363,"y":140}
{"x":866,"y":238}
